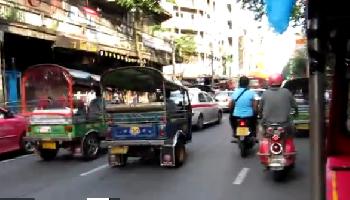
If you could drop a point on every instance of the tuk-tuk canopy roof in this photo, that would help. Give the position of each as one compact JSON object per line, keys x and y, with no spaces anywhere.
{"x":295,"y":84}
{"x":77,"y":76}
{"x":137,"y":78}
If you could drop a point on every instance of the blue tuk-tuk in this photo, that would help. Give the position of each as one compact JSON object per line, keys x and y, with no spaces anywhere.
{"x":145,"y":121}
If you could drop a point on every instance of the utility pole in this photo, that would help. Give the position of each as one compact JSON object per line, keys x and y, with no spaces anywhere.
{"x":212,"y":68}
{"x":173,"y":57}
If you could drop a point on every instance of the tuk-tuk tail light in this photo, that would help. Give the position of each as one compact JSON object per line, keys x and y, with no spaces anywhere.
{"x":68,"y":128}
{"x":29,"y":129}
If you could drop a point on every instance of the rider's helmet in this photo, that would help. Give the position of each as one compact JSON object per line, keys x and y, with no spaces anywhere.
{"x":275,"y":80}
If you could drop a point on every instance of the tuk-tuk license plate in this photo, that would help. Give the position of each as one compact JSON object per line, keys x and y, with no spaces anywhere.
{"x":134,"y":130}
{"x":119,"y":150}
{"x":302,"y":126}
{"x":48,"y":145}
{"x":45,"y":129}
{"x":242,"y":131}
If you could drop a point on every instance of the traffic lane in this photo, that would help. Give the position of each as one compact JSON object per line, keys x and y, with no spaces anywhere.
{"x":150,"y":181}
{"x":259,"y":183}
{"x":26,"y":174}
{"x":210,"y":172}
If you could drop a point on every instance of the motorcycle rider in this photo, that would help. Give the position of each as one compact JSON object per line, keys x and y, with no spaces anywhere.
{"x":243,"y":106}
{"x":276,"y":104}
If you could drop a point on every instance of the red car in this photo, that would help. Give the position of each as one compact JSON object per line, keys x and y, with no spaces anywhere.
{"x":12,"y":130}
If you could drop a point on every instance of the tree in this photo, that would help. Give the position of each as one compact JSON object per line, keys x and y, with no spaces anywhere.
{"x":186,"y":47}
{"x":138,"y":8}
{"x":257,"y":6}
{"x":296,"y":67}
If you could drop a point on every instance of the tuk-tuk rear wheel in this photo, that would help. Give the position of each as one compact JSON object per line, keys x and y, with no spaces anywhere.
{"x":48,"y":154}
{"x":180,"y":154}
{"x":91,"y":146}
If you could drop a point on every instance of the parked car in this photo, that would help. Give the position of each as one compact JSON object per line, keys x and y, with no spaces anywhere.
{"x":205,"y":109}
{"x":223,"y":98}
{"x":12,"y":130}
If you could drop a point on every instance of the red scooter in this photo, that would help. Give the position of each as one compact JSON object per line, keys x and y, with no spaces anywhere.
{"x":277,"y":151}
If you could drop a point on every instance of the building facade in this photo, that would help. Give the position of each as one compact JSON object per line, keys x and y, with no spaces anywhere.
{"x":89,"y":35}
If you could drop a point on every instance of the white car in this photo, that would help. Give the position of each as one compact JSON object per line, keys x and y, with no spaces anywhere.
{"x":259,"y":93}
{"x":223,"y":98}
{"x":205,"y":109}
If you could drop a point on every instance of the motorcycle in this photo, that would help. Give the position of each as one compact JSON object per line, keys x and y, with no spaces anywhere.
{"x":246,"y":140}
{"x":277,"y":151}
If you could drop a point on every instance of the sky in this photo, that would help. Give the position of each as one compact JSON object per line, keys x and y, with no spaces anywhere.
{"x":277,"y":49}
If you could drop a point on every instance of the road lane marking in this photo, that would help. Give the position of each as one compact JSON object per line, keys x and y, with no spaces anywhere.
{"x":5,"y":161}
{"x":241,"y":176}
{"x":94,"y":170}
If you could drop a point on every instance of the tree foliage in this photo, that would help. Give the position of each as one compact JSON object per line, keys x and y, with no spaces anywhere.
{"x":186,"y":47}
{"x":296,"y":67}
{"x":258,"y":7}
{"x":141,"y":5}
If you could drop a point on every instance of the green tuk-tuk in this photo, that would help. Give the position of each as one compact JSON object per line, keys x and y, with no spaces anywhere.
{"x":62,"y":111}
{"x":299,"y":87}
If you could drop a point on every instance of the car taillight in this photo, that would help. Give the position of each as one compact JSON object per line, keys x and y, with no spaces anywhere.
{"x":163,"y":119}
{"x":276,"y":148}
{"x":162,"y":132}
{"x":29,"y":129}
{"x":242,"y":123}
{"x":68,"y":128}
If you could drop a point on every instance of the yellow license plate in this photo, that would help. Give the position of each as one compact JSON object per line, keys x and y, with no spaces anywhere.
{"x":119,"y":150}
{"x":242,"y":131}
{"x":134,"y":130}
{"x":49,"y":145}
{"x":302,"y":126}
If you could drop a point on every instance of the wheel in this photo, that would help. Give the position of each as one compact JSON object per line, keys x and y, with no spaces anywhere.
{"x":48,"y":154}
{"x":219,"y":118}
{"x":180,"y":154}
{"x":279,"y":175}
{"x":27,"y":147}
{"x":91,"y":146}
{"x":200,"y":122}
{"x":243,"y":149}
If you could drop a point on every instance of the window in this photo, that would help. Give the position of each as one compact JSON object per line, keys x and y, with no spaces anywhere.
{"x":208,"y":16}
{"x":177,"y":14}
{"x":209,"y":99}
{"x":229,"y":24}
{"x":230,"y":41}
{"x":175,"y":8}
{"x":201,"y":97}
{"x":202,"y":34}
{"x":177,"y":30}
{"x":208,"y":2}
{"x":192,"y":16}
{"x":229,"y":8}
{"x":214,"y":5}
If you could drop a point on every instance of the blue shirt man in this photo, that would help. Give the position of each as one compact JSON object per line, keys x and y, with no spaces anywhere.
{"x":244,"y":105}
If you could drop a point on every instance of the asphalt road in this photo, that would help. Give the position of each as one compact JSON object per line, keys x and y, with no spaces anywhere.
{"x":213,"y":170}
